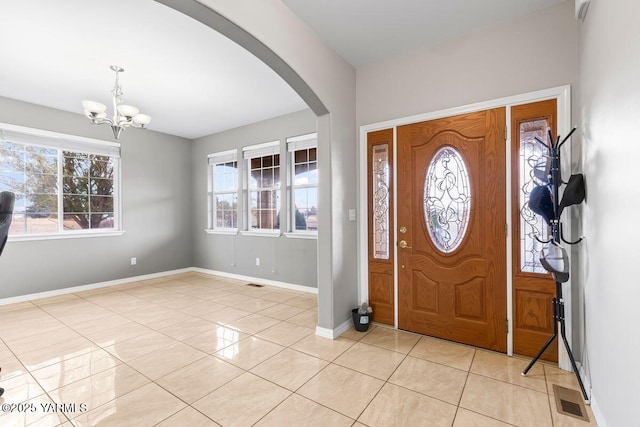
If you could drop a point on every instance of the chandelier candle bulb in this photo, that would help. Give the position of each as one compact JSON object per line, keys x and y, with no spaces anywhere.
{"x":142,"y":119}
{"x":128,"y":111}
{"x":94,"y":107}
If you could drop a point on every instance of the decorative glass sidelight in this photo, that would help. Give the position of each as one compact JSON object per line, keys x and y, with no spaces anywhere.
{"x":531,"y":153}
{"x":447,"y":199}
{"x":380,"y":197}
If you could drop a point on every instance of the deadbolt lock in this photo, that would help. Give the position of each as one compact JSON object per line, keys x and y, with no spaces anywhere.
{"x":403,"y":230}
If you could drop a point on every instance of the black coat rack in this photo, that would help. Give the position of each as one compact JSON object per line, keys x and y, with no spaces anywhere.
{"x":556,"y":237}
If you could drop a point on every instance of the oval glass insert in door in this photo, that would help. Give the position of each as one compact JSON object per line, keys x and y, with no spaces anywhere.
{"x":447,"y":199}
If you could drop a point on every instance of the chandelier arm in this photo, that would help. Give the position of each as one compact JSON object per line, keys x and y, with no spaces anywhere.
{"x":104,"y":121}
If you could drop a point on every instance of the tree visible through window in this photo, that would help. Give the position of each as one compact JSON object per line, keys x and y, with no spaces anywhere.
{"x":305,"y":189}
{"x":58,"y":190}
{"x":32,"y":174}
{"x":225,"y":184}
{"x":303,"y":210}
{"x":87,"y":191}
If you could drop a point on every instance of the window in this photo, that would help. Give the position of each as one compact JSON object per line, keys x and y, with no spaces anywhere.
{"x":223,"y":191}
{"x":304,"y":183}
{"x":263,"y":186}
{"x":531,"y":224}
{"x":380,"y":180}
{"x":63,"y":184}
{"x":447,"y":199}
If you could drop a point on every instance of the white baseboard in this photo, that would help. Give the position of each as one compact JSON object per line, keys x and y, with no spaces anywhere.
{"x":324,"y":332}
{"x":63,"y":291}
{"x":47,"y":294}
{"x":597,"y":413}
{"x":276,"y":283}
{"x":332,"y":334}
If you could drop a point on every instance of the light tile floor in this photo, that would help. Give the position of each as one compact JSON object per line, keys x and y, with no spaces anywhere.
{"x":198,"y":350}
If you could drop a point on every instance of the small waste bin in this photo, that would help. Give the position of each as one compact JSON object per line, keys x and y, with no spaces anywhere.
{"x":361,"y":321}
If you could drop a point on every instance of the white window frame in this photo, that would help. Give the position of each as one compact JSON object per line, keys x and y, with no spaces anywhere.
{"x":251,"y":152}
{"x":302,"y":142}
{"x":213,"y":160}
{"x":64,"y":142}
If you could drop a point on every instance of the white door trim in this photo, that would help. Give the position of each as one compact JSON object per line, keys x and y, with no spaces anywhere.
{"x":563,"y":96}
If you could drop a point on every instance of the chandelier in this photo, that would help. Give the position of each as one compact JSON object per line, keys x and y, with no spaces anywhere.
{"x":124,"y":116}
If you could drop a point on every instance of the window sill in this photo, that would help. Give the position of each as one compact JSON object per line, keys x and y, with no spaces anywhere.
{"x":261,"y":233}
{"x":70,"y":235}
{"x":225,"y":232}
{"x":300,"y":235}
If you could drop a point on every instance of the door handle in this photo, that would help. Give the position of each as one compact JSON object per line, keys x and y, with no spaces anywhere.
{"x":403,"y":245}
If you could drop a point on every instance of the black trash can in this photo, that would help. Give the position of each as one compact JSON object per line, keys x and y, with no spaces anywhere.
{"x":360,"y":321}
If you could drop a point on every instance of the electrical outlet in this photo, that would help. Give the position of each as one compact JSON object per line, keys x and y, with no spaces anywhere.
{"x":134,"y":261}
{"x":257,"y":261}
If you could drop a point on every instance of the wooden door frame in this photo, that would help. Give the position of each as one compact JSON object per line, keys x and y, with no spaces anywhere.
{"x":563,"y":96}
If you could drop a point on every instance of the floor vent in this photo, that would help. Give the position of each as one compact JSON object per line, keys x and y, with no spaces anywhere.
{"x":569,"y":402}
{"x":255,"y":285}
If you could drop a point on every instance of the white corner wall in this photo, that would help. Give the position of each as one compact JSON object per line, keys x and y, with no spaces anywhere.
{"x":534,"y":52}
{"x":608,"y":117}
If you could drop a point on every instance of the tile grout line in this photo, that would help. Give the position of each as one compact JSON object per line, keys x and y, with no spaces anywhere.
{"x":463,"y":388}
{"x":256,"y":375}
{"x":329,"y":363}
{"x":387,"y":380}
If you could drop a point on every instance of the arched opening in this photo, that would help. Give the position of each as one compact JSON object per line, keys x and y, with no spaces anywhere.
{"x":337,"y":275}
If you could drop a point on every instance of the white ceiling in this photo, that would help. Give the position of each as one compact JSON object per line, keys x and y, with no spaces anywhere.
{"x":190,"y":79}
{"x":365,"y":31}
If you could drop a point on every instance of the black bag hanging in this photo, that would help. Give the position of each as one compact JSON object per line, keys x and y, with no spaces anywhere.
{"x":573,"y":193}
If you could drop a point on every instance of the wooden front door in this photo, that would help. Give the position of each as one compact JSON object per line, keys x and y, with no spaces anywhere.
{"x":452,"y":229}
{"x":380,"y":214}
{"x":533,"y":287}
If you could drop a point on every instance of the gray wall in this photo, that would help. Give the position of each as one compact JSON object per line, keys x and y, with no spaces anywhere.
{"x":534,"y":52}
{"x":156,"y":206}
{"x":608,"y":117}
{"x":282,"y":259}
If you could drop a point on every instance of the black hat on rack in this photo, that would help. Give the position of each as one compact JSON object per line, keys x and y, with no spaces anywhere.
{"x":542,"y":170}
{"x":573,"y":193}
{"x":555,"y":260}
{"x":541,"y":203}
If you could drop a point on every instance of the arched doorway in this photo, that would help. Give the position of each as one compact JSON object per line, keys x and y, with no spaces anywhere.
{"x":266,"y":31}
